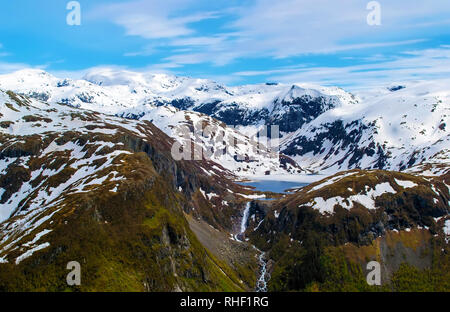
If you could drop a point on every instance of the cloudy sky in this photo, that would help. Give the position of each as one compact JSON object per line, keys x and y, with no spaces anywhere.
{"x":234,"y":42}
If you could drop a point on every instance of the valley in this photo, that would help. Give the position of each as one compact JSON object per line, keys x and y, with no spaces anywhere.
{"x":88,"y":174}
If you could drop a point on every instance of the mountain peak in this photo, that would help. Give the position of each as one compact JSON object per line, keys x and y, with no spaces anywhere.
{"x":105,"y":76}
{"x":28,"y":74}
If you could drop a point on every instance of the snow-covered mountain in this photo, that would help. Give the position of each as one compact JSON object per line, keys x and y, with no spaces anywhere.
{"x":157,"y":98}
{"x":87,"y":171}
{"x":111,"y":91}
{"x":392,"y":129}
{"x":324,"y":129}
{"x":78,"y":184}
{"x":225,"y":145}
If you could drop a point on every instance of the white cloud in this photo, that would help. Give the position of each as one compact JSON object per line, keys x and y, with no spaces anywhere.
{"x":199,"y":41}
{"x":282,"y":70}
{"x":276,"y":29}
{"x":294,"y":27}
{"x":6,"y":68}
{"x":145,"y":51}
{"x":413,"y":65}
{"x":151,"y":19}
{"x":163,"y":68}
{"x":151,"y":26}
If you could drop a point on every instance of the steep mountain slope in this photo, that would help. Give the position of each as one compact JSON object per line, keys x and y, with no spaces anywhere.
{"x":352,"y":218}
{"x":322,"y":128}
{"x":76,"y":179}
{"x":109,"y":90}
{"x":155,"y":98}
{"x":240,"y":154}
{"x":405,"y":200}
{"x":391,"y":130}
{"x":76,"y":185}
{"x":288,"y":106}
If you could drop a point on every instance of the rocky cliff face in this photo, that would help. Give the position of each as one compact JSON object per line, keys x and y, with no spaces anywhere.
{"x":322,"y":128}
{"x":169,"y":101}
{"x":81,"y":186}
{"x":382,"y":214}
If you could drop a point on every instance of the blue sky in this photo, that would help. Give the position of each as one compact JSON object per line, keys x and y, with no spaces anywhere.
{"x":234,"y":42}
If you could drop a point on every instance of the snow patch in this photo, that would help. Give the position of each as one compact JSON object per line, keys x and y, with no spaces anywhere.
{"x":366,"y":199}
{"x":30,"y":252}
{"x":405,"y":184}
{"x":447,"y":227}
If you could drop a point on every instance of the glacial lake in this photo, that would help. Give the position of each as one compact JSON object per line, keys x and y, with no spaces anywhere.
{"x":273,"y":185}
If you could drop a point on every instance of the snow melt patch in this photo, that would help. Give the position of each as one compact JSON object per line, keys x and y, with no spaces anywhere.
{"x":30,"y":252}
{"x":447,"y":227}
{"x":405,"y":184}
{"x":331,"y":181}
{"x":367,"y":200}
{"x":434,"y":190}
{"x":37,"y":237}
{"x":211,"y":195}
{"x":328,"y":205}
{"x":254,"y":196}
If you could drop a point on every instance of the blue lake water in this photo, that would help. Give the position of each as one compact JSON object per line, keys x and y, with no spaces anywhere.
{"x":273,"y":186}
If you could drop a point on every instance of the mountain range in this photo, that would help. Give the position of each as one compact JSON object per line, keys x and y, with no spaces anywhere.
{"x":324,"y":129}
{"x":88,"y":173}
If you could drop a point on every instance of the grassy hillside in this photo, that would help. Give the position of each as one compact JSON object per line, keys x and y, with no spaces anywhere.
{"x":104,"y":192}
{"x":322,"y":236}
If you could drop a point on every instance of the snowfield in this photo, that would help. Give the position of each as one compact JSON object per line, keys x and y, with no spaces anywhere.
{"x":409,"y":126}
{"x":32,"y":131}
{"x":367,"y":199}
{"x":405,"y":184}
{"x":326,"y":129}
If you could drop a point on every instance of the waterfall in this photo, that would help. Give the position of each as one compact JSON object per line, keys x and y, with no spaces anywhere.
{"x":245,"y":218}
{"x":261,"y":284}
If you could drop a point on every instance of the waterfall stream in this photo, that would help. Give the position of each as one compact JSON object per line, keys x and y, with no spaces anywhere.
{"x":261,"y":283}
